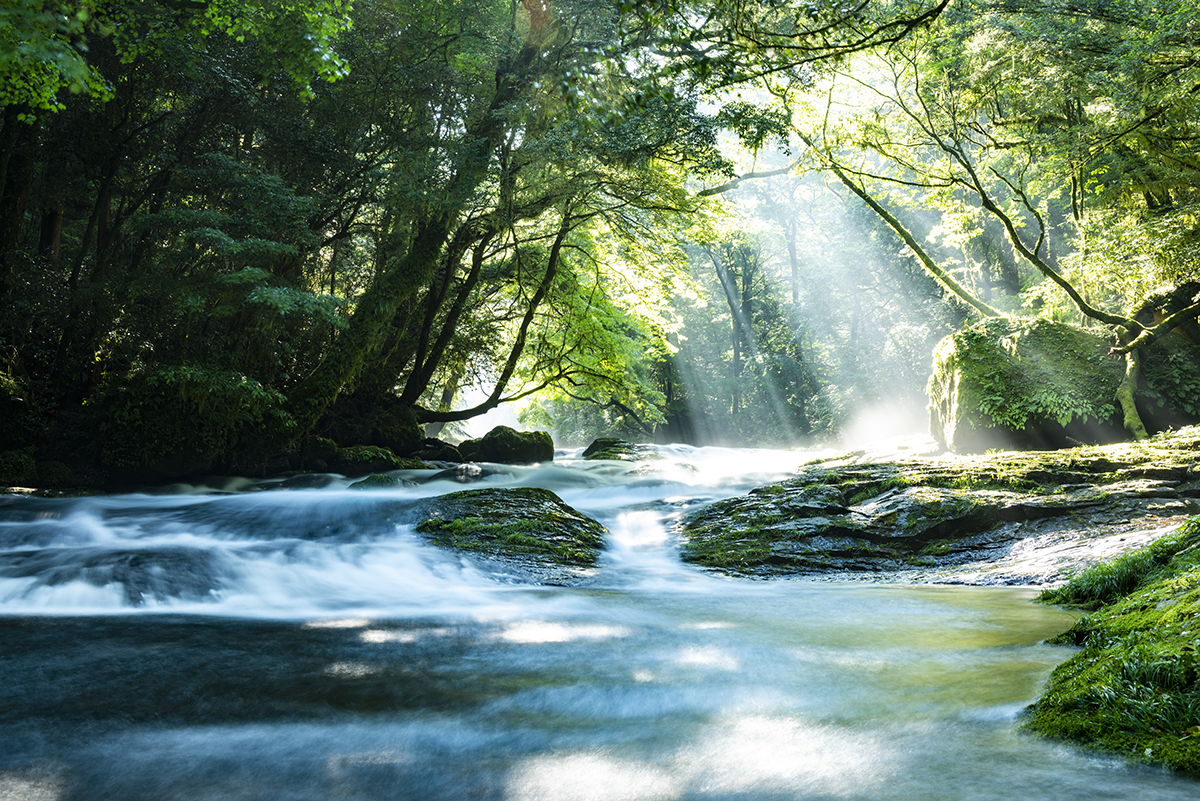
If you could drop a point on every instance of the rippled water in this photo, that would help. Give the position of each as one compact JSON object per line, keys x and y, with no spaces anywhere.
{"x":305,"y":644}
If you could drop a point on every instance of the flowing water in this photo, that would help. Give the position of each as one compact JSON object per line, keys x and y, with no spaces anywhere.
{"x":301,"y":644}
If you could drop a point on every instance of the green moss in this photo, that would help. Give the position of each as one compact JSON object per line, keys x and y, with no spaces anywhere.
{"x":377,"y":481}
{"x":513,"y":522}
{"x":1134,"y":688}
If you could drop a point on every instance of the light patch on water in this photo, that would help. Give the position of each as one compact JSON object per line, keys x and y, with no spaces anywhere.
{"x":350,"y":670}
{"x":590,"y":777}
{"x":708,"y":656}
{"x":638,"y":531}
{"x":339,"y":623}
{"x":709,"y":624}
{"x":25,"y":787}
{"x":784,"y":755}
{"x":378,"y":636}
{"x":542,"y":631}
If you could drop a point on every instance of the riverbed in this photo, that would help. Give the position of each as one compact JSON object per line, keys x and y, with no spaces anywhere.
{"x":234,"y":641}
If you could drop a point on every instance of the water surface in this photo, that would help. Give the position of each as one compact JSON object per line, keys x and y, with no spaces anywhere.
{"x":306,"y":644}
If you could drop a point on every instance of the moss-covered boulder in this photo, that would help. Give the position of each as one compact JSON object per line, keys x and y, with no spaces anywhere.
{"x":378,"y":481}
{"x":435,"y":450}
{"x":1134,"y":689}
{"x":523,"y":522}
{"x":509,"y":446}
{"x":941,"y":512}
{"x":54,"y":474}
{"x":1018,"y":384}
{"x":612,"y":448}
{"x":382,"y":421}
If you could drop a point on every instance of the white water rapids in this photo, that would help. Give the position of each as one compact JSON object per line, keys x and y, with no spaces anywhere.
{"x":303,"y":644}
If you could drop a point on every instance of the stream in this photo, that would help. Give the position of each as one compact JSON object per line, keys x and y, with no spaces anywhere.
{"x":233,"y":643}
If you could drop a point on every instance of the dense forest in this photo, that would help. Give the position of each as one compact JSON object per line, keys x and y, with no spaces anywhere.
{"x":231,"y":232}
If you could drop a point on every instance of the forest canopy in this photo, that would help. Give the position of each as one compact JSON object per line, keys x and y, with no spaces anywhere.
{"x":231,"y":229}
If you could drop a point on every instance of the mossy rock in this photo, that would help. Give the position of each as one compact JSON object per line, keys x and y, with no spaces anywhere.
{"x":1020,"y":384}
{"x":434,"y":450}
{"x":383,"y":422}
{"x":360,"y":460}
{"x":313,"y":448}
{"x":1134,"y":688}
{"x":377,"y":481}
{"x":931,"y":511}
{"x":509,"y":446}
{"x":612,"y":448}
{"x":54,"y":474}
{"x":18,"y":468}
{"x":521,"y":522}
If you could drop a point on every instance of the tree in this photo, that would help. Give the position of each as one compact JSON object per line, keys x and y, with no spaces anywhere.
{"x":939,"y":129}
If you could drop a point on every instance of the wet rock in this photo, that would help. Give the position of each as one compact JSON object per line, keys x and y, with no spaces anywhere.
{"x":158,"y":574}
{"x":360,"y":460}
{"x":307,"y":481}
{"x":612,"y":448}
{"x":468,"y":473}
{"x":523,"y":523}
{"x":434,"y":450}
{"x":509,"y":446}
{"x":940,"y":511}
{"x":380,"y":481}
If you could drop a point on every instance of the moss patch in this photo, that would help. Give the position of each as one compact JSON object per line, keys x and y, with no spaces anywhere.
{"x":932,"y":511}
{"x":521,"y":522}
{"x":1134,"y":689}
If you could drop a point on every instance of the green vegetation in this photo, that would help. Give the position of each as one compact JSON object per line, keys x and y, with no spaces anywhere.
{"x":1134,"y":688}
{"x":226,"y":228}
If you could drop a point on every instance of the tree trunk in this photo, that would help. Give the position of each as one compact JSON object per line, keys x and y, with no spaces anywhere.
{"x":1126,"y":392}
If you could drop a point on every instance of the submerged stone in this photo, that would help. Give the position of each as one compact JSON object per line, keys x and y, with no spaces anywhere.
{"x":523,"y":522}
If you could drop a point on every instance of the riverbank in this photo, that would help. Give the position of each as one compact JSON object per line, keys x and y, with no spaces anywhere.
{"x":1134,"y":688}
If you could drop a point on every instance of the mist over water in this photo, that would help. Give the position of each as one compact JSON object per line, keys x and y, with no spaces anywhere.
{"x":307,"y":644}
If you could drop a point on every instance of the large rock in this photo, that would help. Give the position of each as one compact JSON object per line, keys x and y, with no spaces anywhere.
{"x":1022,"y":384}
{"x":361,"y":460}
{"x":382,"y":422}
{"x":523,"y":522}
{"x":613,"y":449}
{"x":941,"y":512}
{"x":508,"y":446}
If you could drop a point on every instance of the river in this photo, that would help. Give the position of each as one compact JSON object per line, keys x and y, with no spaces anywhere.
{"x":296,"y":644}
